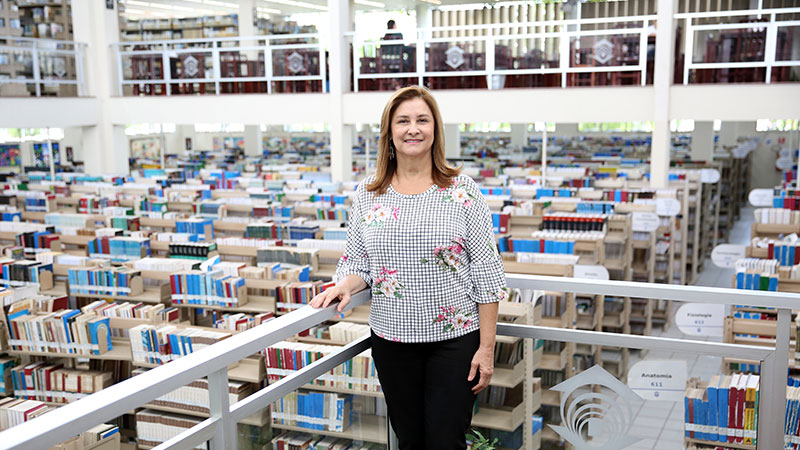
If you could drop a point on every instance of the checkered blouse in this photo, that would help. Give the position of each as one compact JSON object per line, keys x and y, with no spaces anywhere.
{"x":430,"y":258}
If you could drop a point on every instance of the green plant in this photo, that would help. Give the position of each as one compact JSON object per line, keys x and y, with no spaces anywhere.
{"x":479,"y":442}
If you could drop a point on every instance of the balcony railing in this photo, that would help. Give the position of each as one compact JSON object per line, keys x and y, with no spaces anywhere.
{"x":238,"y":65}
{"x":587,"y":52}
{"x":759,"y":45}
{"x":41,"y":67}
{"x":61,"y":424}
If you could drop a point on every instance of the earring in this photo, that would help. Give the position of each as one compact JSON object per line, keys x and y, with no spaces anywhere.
{"x":391,"y":150}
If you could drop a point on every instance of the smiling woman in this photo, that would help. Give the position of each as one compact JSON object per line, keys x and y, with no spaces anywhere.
{"x":420,"y":235}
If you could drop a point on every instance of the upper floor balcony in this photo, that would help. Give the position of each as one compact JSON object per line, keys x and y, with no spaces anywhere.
{"x":748,"y":46}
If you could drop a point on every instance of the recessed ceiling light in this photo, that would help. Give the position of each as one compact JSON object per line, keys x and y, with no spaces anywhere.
{"x":269,"y":10}
{"x":137,"y":3}
{"x":225,"y":4}
{"x":134,"y":11}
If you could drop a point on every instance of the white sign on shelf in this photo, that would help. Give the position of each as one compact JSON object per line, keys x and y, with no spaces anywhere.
{"x":701,"y":319}
{"x":725,"y":255}
{"x":709,"y":175}
{"x":761,"y":198}
{"x":658,"y":380}
{"x":667,"y":207}
{"x":645,"y":221}
{"x":784,"y":163}
{"x":591,"y":272}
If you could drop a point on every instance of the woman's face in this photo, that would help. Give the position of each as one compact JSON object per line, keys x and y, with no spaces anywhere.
{"x":412,"y":128}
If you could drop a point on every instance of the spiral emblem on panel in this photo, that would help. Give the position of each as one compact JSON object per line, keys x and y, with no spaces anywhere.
{"x":596,"y":420}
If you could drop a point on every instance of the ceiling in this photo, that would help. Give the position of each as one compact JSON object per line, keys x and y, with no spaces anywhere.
{"x":191,"y":8}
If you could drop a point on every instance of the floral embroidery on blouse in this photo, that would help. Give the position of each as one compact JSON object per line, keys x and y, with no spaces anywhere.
{"x":453,"y":318}
{"x":448,"y":257}
{"x":380,"y":214}
{"x":387,"y":284}
{"x":500,"y":294}
{"x":457,"y":193}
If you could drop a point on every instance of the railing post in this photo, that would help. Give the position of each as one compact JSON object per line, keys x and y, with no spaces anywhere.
{"x":120,"y":73}
{"x":563,"y":54}
{"x":167,"y":70}
{"x":490,"y":57}
{"x":323,"y":64}
{"x":36,"y":70}
{"x":268,"y":64}
{"x":78,"y":49}
{"x":217,"y":68}
{"x":687,"y":49}
{"x":357,"y":45}
{"x":772,"y":405}
{"x":224,"y":433}
{"x":643,"y":51}
{"x":421,"y":69}
{"x":770,"y":47}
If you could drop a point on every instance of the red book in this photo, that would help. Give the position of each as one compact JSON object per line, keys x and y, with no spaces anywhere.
{"x":740,"y":408}
{"x":771,"y":251}
{"x":733,"y":394}
{"x":541,"y":246}
{"x":624,"y":196}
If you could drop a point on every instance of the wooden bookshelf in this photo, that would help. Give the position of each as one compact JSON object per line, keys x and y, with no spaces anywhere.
{"x":370,"y":428}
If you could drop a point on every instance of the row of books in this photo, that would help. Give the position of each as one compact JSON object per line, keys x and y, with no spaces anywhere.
{"x":126,"y":223}
{"x":314,"y":410}
{"x":238,"y":321}
{"x":751,"y":280}
{"x":24,"y":271}
{"x":293,"y":440}
{"x":289,"y":255}
{"x":164,"y":264}
{"x":724,"y":411}
{"x":345,"y":332}
{"x":777,"y":216}
{"x":196,"y":225}
{"x":359,"y":373}
{"x":510,"y":244}
{"x":64,"y":331}
{"x":157,"y":312}
{"x":90,"y":205}
{"x":574,"y":222}
{"x":770,"y":266}
{"x":34,"y":241}
{"x":14,"y":411}
{"x":152,"y":205}
{"x":248,"y":242}
{"x":155,"y":427}
{"x":595,"y":208}
{"x":269,"y":230}
{"x":113,"y":281}
{"x":191,"y":250}
{"x":120,"y":248}
{"x":51,"y":382}
{"x":158,"y":344}
{"x":295,"y":295}
{"x":195,"y":287}
{"x":273,"y":211}
{"x":194,"y":396}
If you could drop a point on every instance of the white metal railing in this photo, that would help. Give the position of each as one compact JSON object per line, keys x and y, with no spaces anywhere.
{"x":64,"y":422}
{"x":255,"y":59}
{"x":616,"y":44}
{"x":43,"y":63}
{"x":751,"y":20}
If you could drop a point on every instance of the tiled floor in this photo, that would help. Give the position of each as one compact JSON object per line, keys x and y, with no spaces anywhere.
{"x":660,"y":424}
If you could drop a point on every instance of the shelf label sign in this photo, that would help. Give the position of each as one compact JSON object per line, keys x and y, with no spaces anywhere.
{"x":701,"y":319}
{"x":591,"y":272}
{"x":663,"y":381}
{"x":784,"y":163}
{"x":709,"y":175}
{"x":667,"y":207}
{"x":645,"y":221}
{"x":726,"y":255}
{"x":761,"y":198}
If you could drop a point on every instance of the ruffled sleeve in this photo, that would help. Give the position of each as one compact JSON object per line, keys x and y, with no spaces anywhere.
{"x":486,"y":265}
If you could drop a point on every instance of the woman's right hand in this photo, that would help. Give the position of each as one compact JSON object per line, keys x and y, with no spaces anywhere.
{"x":324,"y":298}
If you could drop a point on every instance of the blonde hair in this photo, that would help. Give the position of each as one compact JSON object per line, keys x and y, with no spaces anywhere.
{"x":441,"y":172}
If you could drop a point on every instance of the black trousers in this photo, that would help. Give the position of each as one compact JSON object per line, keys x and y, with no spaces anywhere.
{"x":428,"y":397}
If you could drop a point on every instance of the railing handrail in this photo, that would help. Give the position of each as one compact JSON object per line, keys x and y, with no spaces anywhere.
{"x":34,"y":40}
{"x":59,"y":425}
{"x":739,"y":12}
{"x":262,"y":37}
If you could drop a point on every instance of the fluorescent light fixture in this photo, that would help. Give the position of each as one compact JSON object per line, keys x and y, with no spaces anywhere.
{"x":432,"y":2}
{"x":137,"y":3}
{"x":469,"y":7}
{"x":134,"y":11}
{"x":300,"y":4}
{"x":269,"y":10}
{"x":369,"y":3}
{"x":224,"y":4}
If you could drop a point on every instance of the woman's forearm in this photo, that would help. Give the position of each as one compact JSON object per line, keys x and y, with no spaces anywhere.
{"x":487,"y":312}
{"x":353,"y":284}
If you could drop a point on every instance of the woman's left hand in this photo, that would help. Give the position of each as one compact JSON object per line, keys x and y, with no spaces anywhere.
{"x":483,"y":365}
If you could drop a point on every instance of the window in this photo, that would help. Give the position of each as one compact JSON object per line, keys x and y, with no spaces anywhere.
{"x":2,"y":22}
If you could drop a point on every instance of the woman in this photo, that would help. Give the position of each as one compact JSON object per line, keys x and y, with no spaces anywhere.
{"x":421,"y":236}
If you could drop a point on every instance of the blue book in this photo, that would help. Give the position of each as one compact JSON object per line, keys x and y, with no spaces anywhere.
{"x":748,"y":281}
{"x":783,"y":254}
{"x":65,"y":320}
{"x":712,"y":409}
{"x":722,"y":411}
{"x":790,"y":261}
{"x":739,"y":280}
{"x":773,"y":283}
{"x":98,"y":326}
{"x":174,"y":345}
{"x":756,"y":281}
{"x":302,"y":410}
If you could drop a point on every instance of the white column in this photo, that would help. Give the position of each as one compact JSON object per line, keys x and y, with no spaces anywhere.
{"x":340,"y":20}
{"x":252,"y":141}
{"x":73,"y":137}
{"x":567,"y":130}
{"x":665,"y":49}
{"x":728,"y":133}
{"x":452,"y":141}
{"x":98,"y":27}
{"x":519,"y":134}
{"x":187,"y":132}
{"x":247,"y":18}
{"x":424,"y":19}
{"x":746,"y":129}
{"x":703,"y":141}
